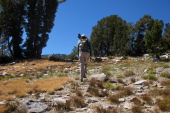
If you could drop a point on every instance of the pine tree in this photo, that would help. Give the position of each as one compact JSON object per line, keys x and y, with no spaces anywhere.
{"x":110,"y":36}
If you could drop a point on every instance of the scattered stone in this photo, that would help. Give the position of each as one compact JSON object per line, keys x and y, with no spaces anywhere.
{"x":127,"y":105}
{"x":140,"y":82}
{"x":59,"y":101}
{"x":4,"y":73}
{"x":2,"y":102}
{"x":34,"y":106}
{"x":100,"y":77}
{"x":122,"y":99}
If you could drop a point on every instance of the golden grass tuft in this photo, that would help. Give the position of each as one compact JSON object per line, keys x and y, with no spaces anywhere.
{"x":3,"y":108}
{"x":21,"y":87}
{"x":50,"y":84}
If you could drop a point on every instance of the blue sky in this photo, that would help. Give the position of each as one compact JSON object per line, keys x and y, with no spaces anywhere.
{"x":79,"y":16}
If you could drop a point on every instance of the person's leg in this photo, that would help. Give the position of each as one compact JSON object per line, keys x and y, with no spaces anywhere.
{"x":82,"y":70}
{"x":85,"y":63}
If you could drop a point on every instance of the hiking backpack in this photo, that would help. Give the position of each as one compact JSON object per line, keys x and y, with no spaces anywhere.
{"x":83,"y":45}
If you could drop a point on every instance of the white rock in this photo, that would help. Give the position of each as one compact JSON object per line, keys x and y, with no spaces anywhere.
{"x":100,"y":77}
{"x":127,"y":105}
{"x":59,"y":101}
{"x":121,"y":99}
{"x":4,"y":73}
{"x":140,"y":82}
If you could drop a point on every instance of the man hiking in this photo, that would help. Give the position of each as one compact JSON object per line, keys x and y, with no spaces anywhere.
{"x":84,"y":52}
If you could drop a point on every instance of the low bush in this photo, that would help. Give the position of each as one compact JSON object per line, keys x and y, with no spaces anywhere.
{"x":100,"y":109}
{"x":164,"y":104}
{"x":137,"y":109}
{"x":129,"y":73}
{"x":150,"y":77}
{"x":165,"y":74}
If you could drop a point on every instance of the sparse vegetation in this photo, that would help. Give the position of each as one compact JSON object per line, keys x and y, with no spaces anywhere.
{"x":166,"y":83}
{"x":164,"y":104}
{"x":165,"y":74}
{"x":100,"y":109}
{"x":119,"y":76}
{"x":129,"y":73}
{"x":116,"y":88}
{"x":137,"y":109}
{"x":150,"y":77}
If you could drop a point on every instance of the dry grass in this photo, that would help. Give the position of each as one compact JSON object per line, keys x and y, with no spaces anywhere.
{"x":10,"y":89}
{"x":51,"y":84}
{"x":100,"y":109}
{"x":28,"y":65}
{"x":166,"y":83}
{"x":3,"y":108}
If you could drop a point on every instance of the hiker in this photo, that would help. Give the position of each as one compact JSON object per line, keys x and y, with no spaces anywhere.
{"x":84,"y":52}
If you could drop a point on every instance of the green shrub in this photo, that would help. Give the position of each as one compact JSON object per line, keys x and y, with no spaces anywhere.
{"x":129,"y":73}
{"x":165,"y":74}
{"x":54,"y":58}
{"x":150,"y":77}
{"x":119,"y":76}
{"x":62,"y":74}
{"x":164,"y":104}
{"x":106,"y":70}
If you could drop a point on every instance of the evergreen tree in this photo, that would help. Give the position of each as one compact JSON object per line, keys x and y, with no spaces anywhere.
{"x":144,"y":24}
{"x":11,"y":15}
{"x":167,"y":35}
{"x":110,"y":37}
{"x":153,"y":38}
{"x":40,"y":18}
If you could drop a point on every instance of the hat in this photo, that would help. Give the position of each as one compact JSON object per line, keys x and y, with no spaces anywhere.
{"x":83,"y":35}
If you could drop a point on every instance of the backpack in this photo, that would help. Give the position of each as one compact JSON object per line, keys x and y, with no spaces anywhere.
{"x":83,"y":45}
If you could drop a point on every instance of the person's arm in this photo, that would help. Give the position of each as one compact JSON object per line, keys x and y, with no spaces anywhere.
{"x":90,"y":48}
{"x":78,"y":48}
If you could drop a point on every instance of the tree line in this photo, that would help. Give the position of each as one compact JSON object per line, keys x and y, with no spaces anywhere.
{"x":111,"y":36}
{"x":35,"y":18}
{"x":114,"y":36}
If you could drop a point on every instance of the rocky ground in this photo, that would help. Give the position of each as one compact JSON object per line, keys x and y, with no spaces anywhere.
{"x":112,"y":86}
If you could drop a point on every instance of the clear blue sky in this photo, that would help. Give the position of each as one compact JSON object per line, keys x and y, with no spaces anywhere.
{"x":79,"y":16}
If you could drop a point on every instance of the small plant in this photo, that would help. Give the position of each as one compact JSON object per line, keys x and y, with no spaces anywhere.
{"x":62,"y":107}
{"x":165,"y":74}
{"x":106,"y":70}
{"x":100,"y":109}
{"x":93,"y":82}
{"x":77,"y":101}
{"x":108,"y":85}
{"x":137,"y":109}
{"x":164,"y":104}
{"x":110,"y":57}
{"x":166,"y":83}
{"x":62,"y":74}
{"x":74,"y":85}
{"x":114,"y":98}
{"x":147,"y":98}
{"x":79,"y":93}
{"x":119,"y":76}
{"x":93,"y":91}
{"x":129,"y":73}
{"x":112,"y":69}
{"x":133,"y":80}
{"x":150,"y":77}
{"x":154,"y":92}
{"x":166,"y":66}
{"x":148,"y":83}
{"x":136,"y":101}
{"x":126,"y":91}
{"x":119,"y":80}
